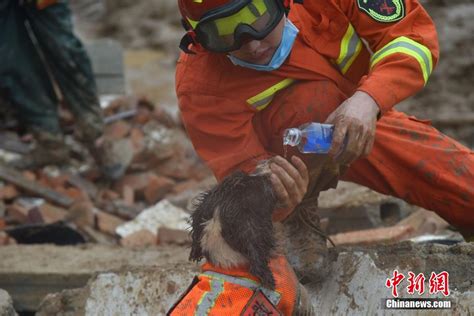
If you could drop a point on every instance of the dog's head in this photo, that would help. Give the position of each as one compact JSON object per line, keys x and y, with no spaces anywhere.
{"x":232,"y":225}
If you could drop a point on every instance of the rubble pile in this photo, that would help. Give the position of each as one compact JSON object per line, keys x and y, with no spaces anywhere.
{"x":355,"y":284}
{"x":164,"y":174}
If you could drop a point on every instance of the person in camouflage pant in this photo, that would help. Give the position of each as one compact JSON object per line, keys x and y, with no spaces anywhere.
{"x":37,"y":50}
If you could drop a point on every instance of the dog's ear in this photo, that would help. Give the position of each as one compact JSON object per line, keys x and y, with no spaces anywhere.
{"x":203,"y":212}
{"x":246,"y":219}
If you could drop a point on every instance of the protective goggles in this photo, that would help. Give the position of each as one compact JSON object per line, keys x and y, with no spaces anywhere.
{"x":227,"y":28}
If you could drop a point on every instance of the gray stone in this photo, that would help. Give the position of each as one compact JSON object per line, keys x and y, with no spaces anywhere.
{"x":30,"y":272}
{"x":6,"y":304}
{"x":354,"y":286}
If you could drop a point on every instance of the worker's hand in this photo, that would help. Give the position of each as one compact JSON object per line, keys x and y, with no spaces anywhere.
{"x":290,"y":183}
{"x":354,"y":128}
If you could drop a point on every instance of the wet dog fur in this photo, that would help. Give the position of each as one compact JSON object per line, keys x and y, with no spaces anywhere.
{"x":232,"y":225}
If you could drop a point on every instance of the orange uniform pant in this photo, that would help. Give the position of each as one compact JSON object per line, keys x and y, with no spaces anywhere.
{"x":410,"y":159}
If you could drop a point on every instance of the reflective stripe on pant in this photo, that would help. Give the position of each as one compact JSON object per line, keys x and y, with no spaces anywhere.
{"x":414,"y":161}
{"x":410,"y":159}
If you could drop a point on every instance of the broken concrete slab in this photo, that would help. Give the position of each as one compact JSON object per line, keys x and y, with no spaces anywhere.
{"x":354,"y":286}
{"x":29,"y":273}
{"x":6,"y":304}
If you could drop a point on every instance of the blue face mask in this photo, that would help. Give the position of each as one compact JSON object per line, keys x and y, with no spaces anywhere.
{"x":288,"y":38}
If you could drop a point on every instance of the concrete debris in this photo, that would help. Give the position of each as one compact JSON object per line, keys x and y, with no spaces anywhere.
{"x":58,"y":268}
{"x":6,"y":304}
{"x":356,"y":284}
{"x":141,"y":238}
{"x":161,"y":163}
{"x":163,"y":214}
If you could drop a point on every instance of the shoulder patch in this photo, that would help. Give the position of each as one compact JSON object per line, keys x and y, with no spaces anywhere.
{"x":384,"y":11}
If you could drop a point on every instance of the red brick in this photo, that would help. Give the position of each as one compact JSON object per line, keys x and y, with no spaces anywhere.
{"x":176,"y":168}
{"x":173,"y":236}
{"x":117,"y":130}
{"x":82,"y":213}
{"x":92,"y":174}
{"x":29,"y":175}
{"x":18,"y":212}
{"x":164,"y":117}
{"x":128,"y":195}
{"x":50,"y":213}
{"x":55,"y":182}
{"x":157,"y":188}
{"x":8,"y":192}
{"x":76,"y":194}
{"x":185,"y":185}
{"x":143,"y":115}
{"x":137,"y":181}
{"x":372,"y":236}
{"x":109,"y":195}
{"x":107,"y":223}
{"x":121,"y":103}
{"x":141,"y":238}
{"x":137,"y":137}
{"x":6,"y":240}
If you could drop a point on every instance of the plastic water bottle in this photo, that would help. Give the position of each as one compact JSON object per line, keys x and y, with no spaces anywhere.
{"x":309,"y":138}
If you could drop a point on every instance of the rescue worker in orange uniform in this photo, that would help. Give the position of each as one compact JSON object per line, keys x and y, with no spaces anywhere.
{"x":253,"y":68}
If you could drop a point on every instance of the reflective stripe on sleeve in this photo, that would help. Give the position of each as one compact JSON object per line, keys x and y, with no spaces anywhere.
{"x":208,"y":299}
{"x":263,"y":99}
{"x":351,"y":45}
{"x":273,"y":296}
{"x":409,"y":47}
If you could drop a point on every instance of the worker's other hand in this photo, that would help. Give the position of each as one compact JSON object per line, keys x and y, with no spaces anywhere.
{"x":354,"y":128}
{"x":290,"y":183}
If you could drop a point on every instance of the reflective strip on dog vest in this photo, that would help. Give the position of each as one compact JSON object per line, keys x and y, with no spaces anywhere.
{"x":208,"y":299}
{"x":263,"y":99}
{"x":407,"y":46}
{"x":273,"y":296}
{"x":351,"y":45}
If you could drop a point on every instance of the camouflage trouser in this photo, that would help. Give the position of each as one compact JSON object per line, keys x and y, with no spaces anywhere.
{"x":24,"y":75}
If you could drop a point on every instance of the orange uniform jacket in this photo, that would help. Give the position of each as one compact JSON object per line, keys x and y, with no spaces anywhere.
{"x":344,"y":41}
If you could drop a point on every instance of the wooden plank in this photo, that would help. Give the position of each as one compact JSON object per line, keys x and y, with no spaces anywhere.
{"x":12,"y":176}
